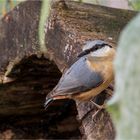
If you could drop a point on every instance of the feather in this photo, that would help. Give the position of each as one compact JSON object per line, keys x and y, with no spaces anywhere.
{"x":78,"y":78}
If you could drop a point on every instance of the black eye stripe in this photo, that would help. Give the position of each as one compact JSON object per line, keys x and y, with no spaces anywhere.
{"x":94,"y":48}
{"x":97,"y":46}
{"x":84,"y":53}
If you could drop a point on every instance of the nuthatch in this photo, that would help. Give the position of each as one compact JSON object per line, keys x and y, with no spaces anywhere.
{"x":88,"y":76}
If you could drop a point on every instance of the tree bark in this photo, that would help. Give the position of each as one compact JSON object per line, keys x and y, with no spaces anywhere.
{"x":70,"y":24}
{"x":26,"y":76}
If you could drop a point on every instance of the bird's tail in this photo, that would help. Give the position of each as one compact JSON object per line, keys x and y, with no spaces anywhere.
{"x":49,"y":100}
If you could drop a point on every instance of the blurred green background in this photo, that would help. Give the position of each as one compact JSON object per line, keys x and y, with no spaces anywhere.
{"x":7,"y":5}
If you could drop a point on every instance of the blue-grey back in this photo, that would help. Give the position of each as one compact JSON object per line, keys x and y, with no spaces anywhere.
{"x":78,"y":78}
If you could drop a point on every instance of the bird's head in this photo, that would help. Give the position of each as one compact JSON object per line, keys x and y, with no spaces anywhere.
{"x":97,"y":49}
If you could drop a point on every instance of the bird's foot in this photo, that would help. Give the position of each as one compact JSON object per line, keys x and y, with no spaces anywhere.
{"x":109,"y":92}
{"x":100,"y":107}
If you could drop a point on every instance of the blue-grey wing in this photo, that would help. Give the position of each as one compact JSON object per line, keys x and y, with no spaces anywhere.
{"x":78,"y":78}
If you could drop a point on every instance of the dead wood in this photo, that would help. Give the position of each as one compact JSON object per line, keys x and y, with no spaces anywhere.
{"x":70,"y":25}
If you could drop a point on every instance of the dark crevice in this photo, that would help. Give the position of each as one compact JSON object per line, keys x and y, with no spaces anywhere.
{"x":34,"y":78}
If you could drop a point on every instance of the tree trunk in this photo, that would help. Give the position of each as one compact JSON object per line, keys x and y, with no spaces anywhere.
{"x":32,"y":75}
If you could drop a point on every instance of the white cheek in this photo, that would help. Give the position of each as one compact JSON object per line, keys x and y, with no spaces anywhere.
{"x":101,"y":52}
{"x":97,"y":53}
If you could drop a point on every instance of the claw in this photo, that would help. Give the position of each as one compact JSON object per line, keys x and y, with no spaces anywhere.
{"x":109,"y":92}
{"x":100,"y":107}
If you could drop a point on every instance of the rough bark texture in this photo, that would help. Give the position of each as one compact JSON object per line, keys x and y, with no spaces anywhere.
{"x":32,"y":76}
{"x":70,"y":24}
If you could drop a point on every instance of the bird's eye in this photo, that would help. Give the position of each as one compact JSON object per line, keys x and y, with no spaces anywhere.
{"x":96,"y":48}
